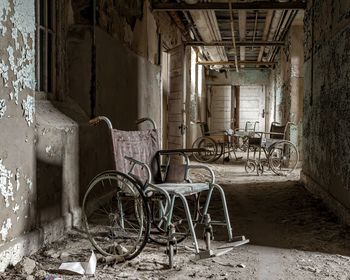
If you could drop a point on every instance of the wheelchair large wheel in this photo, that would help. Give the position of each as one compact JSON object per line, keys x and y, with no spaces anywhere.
{"x":116,"y":216}
{"x":211,"y":149}
{"x":283,"y":157}
{"x":159,"y":232}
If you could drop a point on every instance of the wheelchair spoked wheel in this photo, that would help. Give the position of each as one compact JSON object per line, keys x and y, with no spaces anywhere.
{"x":283,"y":157}
{"x":116,"y":216}
{"x":250,"y":166}
{"x":211,"y":149}
{"x":159,"y":231}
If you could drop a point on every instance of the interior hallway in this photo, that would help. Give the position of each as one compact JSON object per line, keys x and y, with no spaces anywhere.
{"x":292,"y":236}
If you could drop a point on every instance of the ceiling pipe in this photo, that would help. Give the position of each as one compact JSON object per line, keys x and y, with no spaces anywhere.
{"x":285,"y":31}
{"x":238,"y":43}
{"x":207,"y":26}
{"x":222,"y":6}
{"x":272,"y":30}
{"x":232,"y":62}
{"x":280,"y":30}
{"x":265,"y":32}
{"x":233,"y":35}
{"x":242,"y":20}
{"x":255,"y":26}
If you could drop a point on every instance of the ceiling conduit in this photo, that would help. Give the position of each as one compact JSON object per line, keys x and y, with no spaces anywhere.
{"x":207,"y":27}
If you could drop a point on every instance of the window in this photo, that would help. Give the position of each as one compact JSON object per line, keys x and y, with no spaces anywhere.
{"x":45,"y":38}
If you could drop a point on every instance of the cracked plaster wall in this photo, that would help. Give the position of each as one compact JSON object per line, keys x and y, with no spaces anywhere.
{"x":17,"y":116}
{"x":327,"y":100}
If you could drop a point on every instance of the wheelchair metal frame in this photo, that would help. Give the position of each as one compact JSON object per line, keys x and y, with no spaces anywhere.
{"x":269,"y":144}
{"x":142,"y":192}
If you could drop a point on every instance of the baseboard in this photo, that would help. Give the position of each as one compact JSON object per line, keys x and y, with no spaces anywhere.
{"x":27,"y":244}
{"x":333,"y":205}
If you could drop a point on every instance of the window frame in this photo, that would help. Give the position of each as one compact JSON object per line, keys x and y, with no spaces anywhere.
{"x":45,"y":79}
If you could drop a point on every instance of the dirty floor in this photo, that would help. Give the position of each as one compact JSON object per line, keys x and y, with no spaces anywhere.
{"x":292,"y":234}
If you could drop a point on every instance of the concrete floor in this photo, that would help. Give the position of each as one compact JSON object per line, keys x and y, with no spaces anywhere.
{"x":292,"y":234}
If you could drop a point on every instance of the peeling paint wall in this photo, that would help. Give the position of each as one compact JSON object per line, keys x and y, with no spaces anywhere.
{"x":326,"y":125}
{"x":17,"y":116}
{"x":127,"y":58}
{"x":286,"y":86}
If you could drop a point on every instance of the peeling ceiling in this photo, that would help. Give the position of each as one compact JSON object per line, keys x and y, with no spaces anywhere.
{"x":235,"y":34}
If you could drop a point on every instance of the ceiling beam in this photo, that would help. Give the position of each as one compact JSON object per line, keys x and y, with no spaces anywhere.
{"x":257,"y":5}
{"x":233,"y":63}
{"x":238,"y":43}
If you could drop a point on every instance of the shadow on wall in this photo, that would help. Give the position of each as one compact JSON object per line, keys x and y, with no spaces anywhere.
{"x":49,"y":191}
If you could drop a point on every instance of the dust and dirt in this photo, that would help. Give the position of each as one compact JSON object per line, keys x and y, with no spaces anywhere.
{"x":292,"y":236}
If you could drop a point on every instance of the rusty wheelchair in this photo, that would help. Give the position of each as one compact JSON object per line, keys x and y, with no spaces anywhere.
{"x":272,"y":151}
{"x":141,"y":200}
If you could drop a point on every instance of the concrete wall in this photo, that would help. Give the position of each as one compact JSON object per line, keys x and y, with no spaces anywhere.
{"x":17,"y":121}
{"x":41,"y":175}
{"x":326,"y":129}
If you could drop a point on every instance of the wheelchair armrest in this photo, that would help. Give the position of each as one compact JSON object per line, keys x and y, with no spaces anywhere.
{"x":134,"y":162}
{"x":199,"y":166}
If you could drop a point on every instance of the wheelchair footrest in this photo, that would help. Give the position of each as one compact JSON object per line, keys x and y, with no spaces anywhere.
{"x":234,"y":244}
{"x":205,"y":254}
{"x":211,"y":254}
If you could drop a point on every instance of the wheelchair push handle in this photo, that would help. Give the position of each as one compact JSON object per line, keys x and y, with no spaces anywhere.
{"x":154,"y":126}
{"x":98,"y":119}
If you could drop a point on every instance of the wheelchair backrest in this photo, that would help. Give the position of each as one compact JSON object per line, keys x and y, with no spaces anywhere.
{"x":277,"y":129}
{"x":140,"y":145}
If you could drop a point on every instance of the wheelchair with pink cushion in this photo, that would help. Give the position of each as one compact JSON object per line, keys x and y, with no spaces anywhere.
{"x":141,"y":200}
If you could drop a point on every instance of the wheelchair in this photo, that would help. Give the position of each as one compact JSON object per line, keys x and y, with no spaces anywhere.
{"x":140,"y":201}
{"x":271,"y":151}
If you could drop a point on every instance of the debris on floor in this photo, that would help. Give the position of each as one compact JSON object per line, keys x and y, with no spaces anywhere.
{"x":292,"y":237}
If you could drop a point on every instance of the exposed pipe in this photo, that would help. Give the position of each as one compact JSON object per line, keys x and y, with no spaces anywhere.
{"x":238,"y":43}
{"x":274,"y":24}
{"x":190,"y":21}
{"x":284,"y":31}
{"x":233,"y":35}
{"x":268,"y":21}
{"x":255,"y":25}
{"x":285,"y":24}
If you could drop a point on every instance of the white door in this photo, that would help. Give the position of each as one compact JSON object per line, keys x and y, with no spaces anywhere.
{"x":176,"y":100}
{"x":220,"y":107}
{"x":252,"y":106}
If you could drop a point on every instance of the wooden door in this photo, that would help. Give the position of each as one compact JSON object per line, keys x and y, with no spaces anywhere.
{"x":176,"y":100}
{"x":252,"y":106}
{"x":220,"y":107}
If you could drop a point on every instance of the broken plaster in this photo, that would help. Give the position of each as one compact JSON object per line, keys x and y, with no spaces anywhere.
{"x":17,"y":176}
{"x":6,"y":188}
{"x":28,"y":107}
{"x":4,"y":10}
{"x":16,"y":208}
{"x":6,"y":226}
{"x":20,"y":57}
{"x":29,"y":183}
{"x":2,"y":107}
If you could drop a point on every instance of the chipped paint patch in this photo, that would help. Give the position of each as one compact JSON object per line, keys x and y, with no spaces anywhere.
{"x":17,"y":176}
{"x":4,"y":10}
{"x":6,"y":188}
{"x":48,"y":149}
{"x":28,"y":106}
{"x":3,"y":107}
{"x":16,"y":208}
{"x":30,"y":185}
{"x":6,"y":226}
{"x":4,"y":72}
